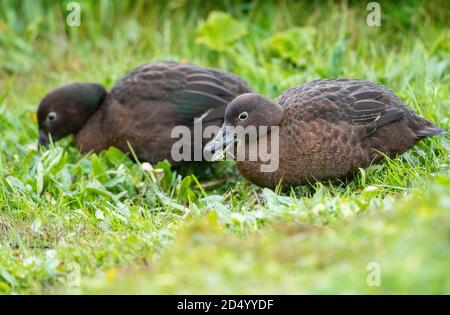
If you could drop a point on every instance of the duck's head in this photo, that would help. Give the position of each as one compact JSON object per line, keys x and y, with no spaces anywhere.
{"x":66,"y":109}
{"x":246,"y":111}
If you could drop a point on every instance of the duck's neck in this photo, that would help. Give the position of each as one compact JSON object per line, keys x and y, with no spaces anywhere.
{"x":259,"y":160}
{"x":92,"y":136}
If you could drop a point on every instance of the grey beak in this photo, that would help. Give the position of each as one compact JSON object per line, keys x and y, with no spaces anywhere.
{"x":43,"y":139}
{"x":217,"y":145}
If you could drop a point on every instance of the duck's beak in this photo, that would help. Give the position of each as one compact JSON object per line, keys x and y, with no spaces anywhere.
{"x":43,"y":138}
{"x":221,"y":142}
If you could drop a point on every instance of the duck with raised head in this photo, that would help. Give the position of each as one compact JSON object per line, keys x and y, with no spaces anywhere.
{"x":140,"y":110}
{"x":327,"y":128}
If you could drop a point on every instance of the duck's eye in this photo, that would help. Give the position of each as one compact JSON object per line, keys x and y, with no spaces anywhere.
{"x":51,"y":116}
{"x":243,"y":116}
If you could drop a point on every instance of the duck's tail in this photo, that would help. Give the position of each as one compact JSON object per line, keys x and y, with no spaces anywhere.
{"x":431,"y":131}
{"x":423,"y":128}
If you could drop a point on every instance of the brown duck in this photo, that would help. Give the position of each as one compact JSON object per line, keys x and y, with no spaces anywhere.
{"x":141,"y":109}
{"x":327,"y":129}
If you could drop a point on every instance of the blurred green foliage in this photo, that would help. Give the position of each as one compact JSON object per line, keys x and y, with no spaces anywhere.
{"x":219,"y":31}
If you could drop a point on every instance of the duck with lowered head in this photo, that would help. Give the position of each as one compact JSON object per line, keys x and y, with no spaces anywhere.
{"x":141,"y":110}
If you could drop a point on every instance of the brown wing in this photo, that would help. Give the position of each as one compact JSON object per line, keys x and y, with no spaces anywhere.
{"x":357,"y":102}
{"x":194,"y":91}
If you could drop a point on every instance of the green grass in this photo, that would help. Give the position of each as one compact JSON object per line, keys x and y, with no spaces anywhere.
{"x":123,"y":229}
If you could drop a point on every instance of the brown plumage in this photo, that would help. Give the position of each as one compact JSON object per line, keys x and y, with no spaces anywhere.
{"x":327,"y":129}
{"x":142,"y":108}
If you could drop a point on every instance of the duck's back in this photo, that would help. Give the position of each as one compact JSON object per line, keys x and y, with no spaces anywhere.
{"x":191,"y":88}
{"x":381,"y":119}
{"x":145,"y":105}
{"x":339,"y":99}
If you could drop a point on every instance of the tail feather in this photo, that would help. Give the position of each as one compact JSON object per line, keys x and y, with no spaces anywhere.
{"x":424,"y":128}
{"x":431,"y":131}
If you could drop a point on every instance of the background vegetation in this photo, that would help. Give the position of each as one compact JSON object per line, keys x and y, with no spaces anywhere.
{"x":123,"y":229}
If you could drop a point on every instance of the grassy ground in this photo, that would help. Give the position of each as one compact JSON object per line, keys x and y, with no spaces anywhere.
{"x":90,"y":224}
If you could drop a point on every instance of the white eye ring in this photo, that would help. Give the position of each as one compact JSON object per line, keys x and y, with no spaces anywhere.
{"x":51,"y":116}
{"x":243,"y":116}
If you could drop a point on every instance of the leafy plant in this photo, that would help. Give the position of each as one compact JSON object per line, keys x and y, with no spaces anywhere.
{"x":293,"y":45}
{"x":220,"y":31}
